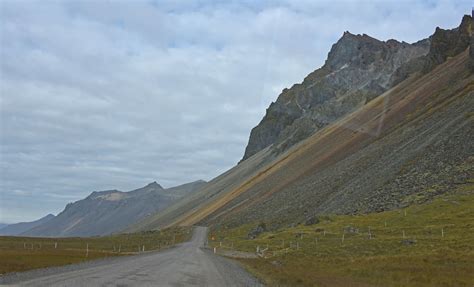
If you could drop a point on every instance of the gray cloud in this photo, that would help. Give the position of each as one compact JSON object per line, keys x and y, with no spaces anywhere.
{"x":115,"y":94}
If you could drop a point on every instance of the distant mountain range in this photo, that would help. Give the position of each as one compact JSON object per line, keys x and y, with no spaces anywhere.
{"x":106,"y":212}
{"x":19,"y":228}
{"x":383,"y":124}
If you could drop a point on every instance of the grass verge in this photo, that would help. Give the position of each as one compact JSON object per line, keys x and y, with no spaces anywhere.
{"x":25,"y":253}
{"x":430,"y":244}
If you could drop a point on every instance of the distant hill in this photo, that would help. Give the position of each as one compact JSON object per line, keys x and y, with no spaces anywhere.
{"x":110,"y":211}
{"x":380,"y":126}
{"x":19,"y":228}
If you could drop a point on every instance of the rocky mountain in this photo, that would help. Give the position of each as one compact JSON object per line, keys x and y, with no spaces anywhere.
{"x":19,"y":228}
{"x":105,"y":212}
{"x":409,"y":144}
{"x":358,"y":69}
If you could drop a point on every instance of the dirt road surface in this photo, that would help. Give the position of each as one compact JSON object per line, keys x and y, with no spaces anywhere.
{"x":188,"y":264}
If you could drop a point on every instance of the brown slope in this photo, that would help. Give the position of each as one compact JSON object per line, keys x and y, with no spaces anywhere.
{"x":268,"y":193}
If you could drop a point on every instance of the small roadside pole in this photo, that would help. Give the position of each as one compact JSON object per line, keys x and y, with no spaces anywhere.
{"x":405,"y":212}
{"x":342,"y":240}
{"x":370,"y":234}
{"x":120,"y":246}
{"x":403,"y":234}
{"x":55,"y":245}
{"x":143,"y":248}
{"x":215,"y":250}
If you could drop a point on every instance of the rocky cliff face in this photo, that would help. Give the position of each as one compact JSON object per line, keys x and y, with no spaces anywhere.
{"x":358,"y":68}
{"x":105,"y":212}
{"x":471,"y":47}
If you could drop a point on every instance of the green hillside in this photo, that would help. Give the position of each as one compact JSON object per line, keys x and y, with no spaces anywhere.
{"x":423,"y":245}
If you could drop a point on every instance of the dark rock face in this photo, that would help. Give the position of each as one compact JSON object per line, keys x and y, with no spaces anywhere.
{"x":259,"y":229}
{"x":358,"y":69}
{"x":105,"y":212}
{"x":311,"y":220}
{"x":471,"y":47}
{"x":443,"y":44}
{"x":448,"y":43}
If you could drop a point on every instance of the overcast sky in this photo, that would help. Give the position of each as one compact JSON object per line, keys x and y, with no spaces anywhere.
{"x":113,"y":95}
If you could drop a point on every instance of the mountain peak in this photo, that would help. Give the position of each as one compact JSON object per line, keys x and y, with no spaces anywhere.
{"x":350,"y":47}
{"x":154,"y":185}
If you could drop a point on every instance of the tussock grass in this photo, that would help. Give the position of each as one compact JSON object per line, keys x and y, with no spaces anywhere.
{"x":436,"y":250}
{"x":26,"y":253}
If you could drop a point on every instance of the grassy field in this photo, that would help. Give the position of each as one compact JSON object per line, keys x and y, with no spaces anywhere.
{"x":25,"y":253}
{"x":423,"y":245}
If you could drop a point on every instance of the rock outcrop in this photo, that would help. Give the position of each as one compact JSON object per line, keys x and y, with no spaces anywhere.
{"x":358,"y":69}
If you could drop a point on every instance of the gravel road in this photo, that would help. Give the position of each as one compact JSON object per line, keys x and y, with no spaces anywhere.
{"x":185,"y":265}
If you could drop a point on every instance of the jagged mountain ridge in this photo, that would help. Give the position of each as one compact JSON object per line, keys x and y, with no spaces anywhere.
{"x":105,"y":212}
{"x":358,"y":69}
{"x":382,"y":156}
